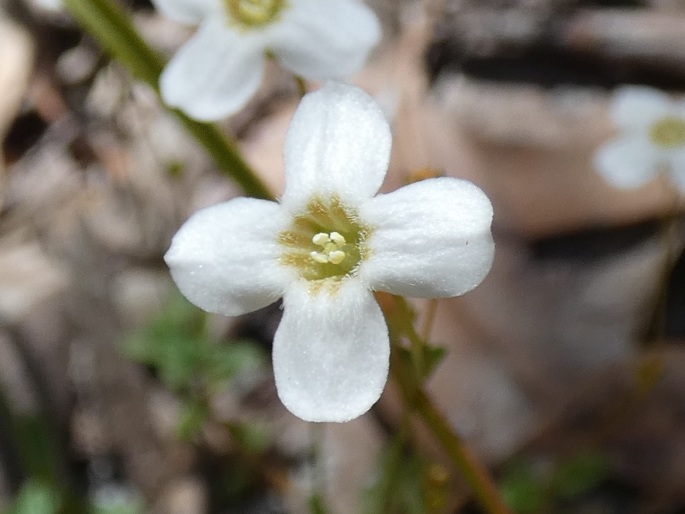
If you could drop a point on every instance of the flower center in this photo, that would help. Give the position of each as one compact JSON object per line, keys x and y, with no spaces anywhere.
{"x":326,"y":241}
{"x":254,"y":13}
{"x":668,"y":132}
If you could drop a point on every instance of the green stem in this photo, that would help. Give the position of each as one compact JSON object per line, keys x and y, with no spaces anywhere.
{"x":403,"y":323}
{"x":427,"y":325}
{"x":318,"y":491}
{"x":410,"y":384}
{"x":473,"y":471}
{"x":671,"y":239}
{"x":110,"y":26}
{"x":301,"y":85}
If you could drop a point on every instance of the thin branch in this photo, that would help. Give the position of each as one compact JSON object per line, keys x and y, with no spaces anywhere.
{"x":111,"y":27}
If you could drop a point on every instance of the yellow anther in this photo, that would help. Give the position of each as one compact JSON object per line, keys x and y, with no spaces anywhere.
{"x":321,"y":239}
{"x":338,"y":238}
{"x":336,"y":257}
{"x":332,"y":245}
{"x":325,"y":242}
{"x":319,"y":257}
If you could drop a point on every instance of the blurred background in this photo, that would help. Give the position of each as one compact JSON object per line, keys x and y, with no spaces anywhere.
{"x":564,"y":370}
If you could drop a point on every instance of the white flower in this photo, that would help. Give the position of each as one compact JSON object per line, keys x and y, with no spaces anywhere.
{"x":651,"y":139}
{"x":327,"y":245}
{"x":220,"y":68}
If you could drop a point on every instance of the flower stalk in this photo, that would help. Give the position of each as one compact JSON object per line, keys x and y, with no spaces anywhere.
{"x":415,"y":398}
{"x":112,"y":29}
{"x":470,"y":467}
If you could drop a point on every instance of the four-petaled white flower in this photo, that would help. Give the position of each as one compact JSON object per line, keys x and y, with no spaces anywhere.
{"x":651,"y":139}
{"x":220,"y":68}
{"x":327,"y":245}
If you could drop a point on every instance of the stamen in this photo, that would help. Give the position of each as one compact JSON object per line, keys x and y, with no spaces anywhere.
{"x":331,"y":244}
{"x":325,"y":241}
{"x":338,"y":238}
{"x":319,"y":257}
{"x":336,"y":257}
{"x":321,"y":238}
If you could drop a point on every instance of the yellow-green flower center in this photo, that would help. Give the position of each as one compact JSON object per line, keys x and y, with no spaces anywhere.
{"x":668,"y":132}
{"x":326,"y":241}
{"x":254,"y":13}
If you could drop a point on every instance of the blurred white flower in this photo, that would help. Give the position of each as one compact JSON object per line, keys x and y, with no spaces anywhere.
{"x":327,"y":245}
{"x":216,"y":72}
{"x":651,"y":139}
{"x":50,"y":5}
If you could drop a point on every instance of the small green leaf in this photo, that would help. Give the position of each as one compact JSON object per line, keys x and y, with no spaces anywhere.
{"x":180,"y":363}
{"x":123,"y":505}
{"x":254,"y":438}
{"x":579,"y":474}
{"x":224,"y":362}
{"x":174,"y":344}
{"x":522,"y":492}
{"x":407,"y":483}
{"x":177,"y":346}
{"x":317,"y":505}
{"x":119,"y":509}
{"x":193,"y":417}
{"x":431,"y":356}
{"x":39,"y":450}
{"x":36,"y":497}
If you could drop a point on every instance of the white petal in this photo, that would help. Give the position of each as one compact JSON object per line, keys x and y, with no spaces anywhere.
{"x":331,"y":352}
{"x":628,"y":162}
{"x":678,"y":178}
{"x":215,"y":73}
{"x":635,"y":107}
{"x":677,"y":169}
{"x":51,"y":5}
{"x":679,"y":107}
{"x":325,"y":39}
{"x":429,"y":239}
{"x":187,"y":11}
{"x":338,"y":143}
{"x":224,"y":259}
